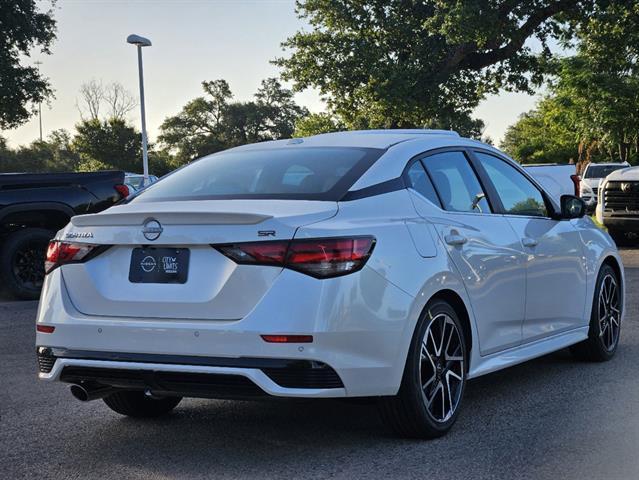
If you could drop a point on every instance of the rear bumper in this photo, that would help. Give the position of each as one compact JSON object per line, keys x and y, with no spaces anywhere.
{"x":192,"y":376}
{"x":362,"y":341}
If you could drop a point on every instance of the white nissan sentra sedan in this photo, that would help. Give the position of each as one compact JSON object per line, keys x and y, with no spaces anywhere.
{"x":388,"y":264}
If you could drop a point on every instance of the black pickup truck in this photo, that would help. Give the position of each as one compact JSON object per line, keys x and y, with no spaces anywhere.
{"x":33,"y":207}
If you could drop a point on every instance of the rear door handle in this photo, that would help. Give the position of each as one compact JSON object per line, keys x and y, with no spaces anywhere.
{"x":529,"y":242}
{"x":455,"y":239}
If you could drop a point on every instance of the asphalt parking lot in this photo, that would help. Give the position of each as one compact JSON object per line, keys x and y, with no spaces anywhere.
{"x":550,"y":418}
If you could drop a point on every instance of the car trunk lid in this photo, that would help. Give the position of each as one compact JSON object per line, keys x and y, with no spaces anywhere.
{"x":215,"y":287}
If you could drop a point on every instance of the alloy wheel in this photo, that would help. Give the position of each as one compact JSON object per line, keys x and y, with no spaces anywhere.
{"x":441,"y":368}
{"x":28,"y":265}
{"x":609,"y":312}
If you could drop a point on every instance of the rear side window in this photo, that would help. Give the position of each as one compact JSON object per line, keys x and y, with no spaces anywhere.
{"x":456,"y":182}
{"x":301,"y":173}
{"x":418,"y":180}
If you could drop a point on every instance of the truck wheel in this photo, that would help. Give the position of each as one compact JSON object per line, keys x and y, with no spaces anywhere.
{"x":618,"y":236}
{"x":22,"y":262}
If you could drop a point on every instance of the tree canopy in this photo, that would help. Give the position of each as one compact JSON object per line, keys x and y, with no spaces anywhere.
{"x":214,"y":122}
{"x":22,"y":28}
{"x":592,"y":107}
{"x":542,"y":135}
{"x":399,"y":63}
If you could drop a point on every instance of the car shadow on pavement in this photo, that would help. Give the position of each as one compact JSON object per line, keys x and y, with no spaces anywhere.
{"x":553,"y":417}
{"x":538,"y":412}
{"x":288,"y":437}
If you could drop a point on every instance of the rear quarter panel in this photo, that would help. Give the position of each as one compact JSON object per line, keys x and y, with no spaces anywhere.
{"x":397,"y":260}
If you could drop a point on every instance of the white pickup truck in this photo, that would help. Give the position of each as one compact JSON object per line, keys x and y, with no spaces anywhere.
{"x":618,"y":206}
{"x":592,"y":177}
{"x":557,"y":179}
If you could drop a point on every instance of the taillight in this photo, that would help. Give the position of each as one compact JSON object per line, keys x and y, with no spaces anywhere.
{"x":576,"y":181}
{"x":60,"y":253}
{"x":261,"y":253}
{"x":320,"y":258}
{"x":122,"y":190}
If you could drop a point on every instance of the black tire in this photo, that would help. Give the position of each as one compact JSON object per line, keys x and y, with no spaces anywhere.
{"x":408,"y":413}
{"x":603,"y":335}
{"x":137,"y":404}
{"x":619,"y":237}
{"x":22,"y":262}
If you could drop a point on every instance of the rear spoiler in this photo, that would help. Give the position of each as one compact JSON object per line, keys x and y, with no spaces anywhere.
{"x":111,"y":218}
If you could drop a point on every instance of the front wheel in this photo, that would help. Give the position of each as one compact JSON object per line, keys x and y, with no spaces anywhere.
{"x":432,"y":388}
{"x":137,"y":404}
{"x":605,"y":319}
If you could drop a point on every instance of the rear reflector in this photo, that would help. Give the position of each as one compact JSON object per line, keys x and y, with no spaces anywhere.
{"x":288,"y":338}
{"x":576,"y":181}
{"x":320,"y":258}
{"x":60,"y":253}
{"x":45,"y":328}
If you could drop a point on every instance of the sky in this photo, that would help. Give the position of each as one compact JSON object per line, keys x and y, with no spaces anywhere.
{"x":193,"y":40}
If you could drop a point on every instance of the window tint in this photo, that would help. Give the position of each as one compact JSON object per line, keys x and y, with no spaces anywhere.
{"x":456,"y":182}
{"x":418,"y":180}
{"x":517,"y":194}
{"x":601,"y":171}
{"x":309,"y":173}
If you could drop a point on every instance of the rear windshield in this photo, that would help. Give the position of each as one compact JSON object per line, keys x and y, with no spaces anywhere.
{"x":601,"y":171}
{"x":302,"y":173}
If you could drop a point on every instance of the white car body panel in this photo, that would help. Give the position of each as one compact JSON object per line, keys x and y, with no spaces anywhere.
{"x":555,"y":179}
{"x":362,"y":323}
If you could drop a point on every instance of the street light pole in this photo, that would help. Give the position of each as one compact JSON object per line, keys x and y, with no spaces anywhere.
{"x":38,"y":63}
{"x":142,"y":42}
{"x":40,"y":118}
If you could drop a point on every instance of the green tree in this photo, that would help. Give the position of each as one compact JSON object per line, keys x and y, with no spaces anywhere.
{"x":22,"y":28}
{"x":542,"y":135}
{"x":54,"y":154}
{"x":592,"y":111}
{"x":603,"y":104}
{"x":107,"y":144}
{"x":214,"y":122}
{"x":399,"y":63}
{"x":7,"y":157}
{"x":316,"y":124}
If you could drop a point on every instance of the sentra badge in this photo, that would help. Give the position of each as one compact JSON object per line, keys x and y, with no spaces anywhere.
{"x":79,"y":235}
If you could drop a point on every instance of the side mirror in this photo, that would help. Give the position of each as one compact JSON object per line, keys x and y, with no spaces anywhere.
{"x":572,"y":207}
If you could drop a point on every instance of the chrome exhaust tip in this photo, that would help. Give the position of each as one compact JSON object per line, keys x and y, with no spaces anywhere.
{"x":86,"y":393}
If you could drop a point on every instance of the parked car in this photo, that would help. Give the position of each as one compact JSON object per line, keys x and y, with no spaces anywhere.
{"x":618,"y":207}
{"x":387,"y":264}
{"x":135,"y":181}
{"x":556,"y":179}
{"x":591,"y":178}
{"x":33,"y":206}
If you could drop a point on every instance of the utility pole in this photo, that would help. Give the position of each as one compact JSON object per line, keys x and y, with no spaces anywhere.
{"x":38,"y":63}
